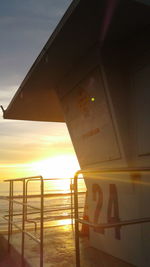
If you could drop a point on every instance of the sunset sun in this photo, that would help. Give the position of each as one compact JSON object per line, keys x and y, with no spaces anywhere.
{"x":63,"y":166}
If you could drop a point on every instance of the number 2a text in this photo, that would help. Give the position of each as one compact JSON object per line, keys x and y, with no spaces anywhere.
{"x":112,"y":208}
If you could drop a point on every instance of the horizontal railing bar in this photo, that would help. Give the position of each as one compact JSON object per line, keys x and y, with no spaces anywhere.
{"x":116,"y":224}
{"x":17,"y":222}
{"x":23,"y":204}
{"x":36,"y":196}
{"x":54,"y":179}
{"x":27,"y":233}
{"x":24,"y":178}
{"x":37,"y":212}
{"x":38,"y":178}
{"x":57,"y":216}
{"x":33,"y":207}
{"x":48,"y":218}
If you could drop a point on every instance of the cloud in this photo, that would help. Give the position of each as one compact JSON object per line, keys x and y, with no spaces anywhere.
{"x":29,"y":141}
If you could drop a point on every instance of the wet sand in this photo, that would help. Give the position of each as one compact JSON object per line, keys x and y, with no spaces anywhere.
{"x":59,"y":250}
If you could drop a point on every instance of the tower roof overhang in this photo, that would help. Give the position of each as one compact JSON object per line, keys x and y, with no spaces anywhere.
{"x":84,"y":24}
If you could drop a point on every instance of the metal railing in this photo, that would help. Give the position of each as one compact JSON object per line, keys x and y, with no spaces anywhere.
{"x":14,"y":199}
{"x":24,"y":204}
{"x":89,"y":173}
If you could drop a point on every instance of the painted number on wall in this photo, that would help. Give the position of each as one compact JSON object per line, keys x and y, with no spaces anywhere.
{"x":112,"y":209}
{"x":98,"y":197}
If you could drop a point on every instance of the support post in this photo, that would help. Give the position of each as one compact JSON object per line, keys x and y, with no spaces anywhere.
{"x":9,"y":218}
{"x":71,"y":191}
{"x":41,"y":222}
{"x":77,"y":246}
{"x":11,"y":211}
{"x":23,"y":221}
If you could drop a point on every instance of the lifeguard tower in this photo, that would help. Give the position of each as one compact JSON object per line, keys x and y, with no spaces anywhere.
{"x":94,"y":74}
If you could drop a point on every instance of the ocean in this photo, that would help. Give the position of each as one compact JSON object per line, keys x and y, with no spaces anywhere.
{"x":57,"y":203}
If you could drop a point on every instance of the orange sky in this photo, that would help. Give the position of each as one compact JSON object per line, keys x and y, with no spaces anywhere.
{"x":35,"y":148}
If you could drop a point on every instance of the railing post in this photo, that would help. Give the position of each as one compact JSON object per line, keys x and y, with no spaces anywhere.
{"x":24,"y":215}
{"x":26,"y":200}
{"x":9,"y":219}
{"x":77,"y":246}
{"x":41,"y":228}
{"x":71,"y":189}
{"x":11,"y":212}
{"x":26,"y":206}
{"x":23,"y":221}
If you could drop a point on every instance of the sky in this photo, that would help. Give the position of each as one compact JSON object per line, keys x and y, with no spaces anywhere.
{"x":29,"y":148}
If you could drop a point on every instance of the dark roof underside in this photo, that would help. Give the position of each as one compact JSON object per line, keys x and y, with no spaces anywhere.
{"x":83,"y":25}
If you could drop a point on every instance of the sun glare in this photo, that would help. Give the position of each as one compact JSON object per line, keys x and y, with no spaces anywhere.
{"x":63,"y":166}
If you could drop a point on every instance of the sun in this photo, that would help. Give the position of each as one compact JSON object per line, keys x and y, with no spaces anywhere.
{"x":63,"y":166}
